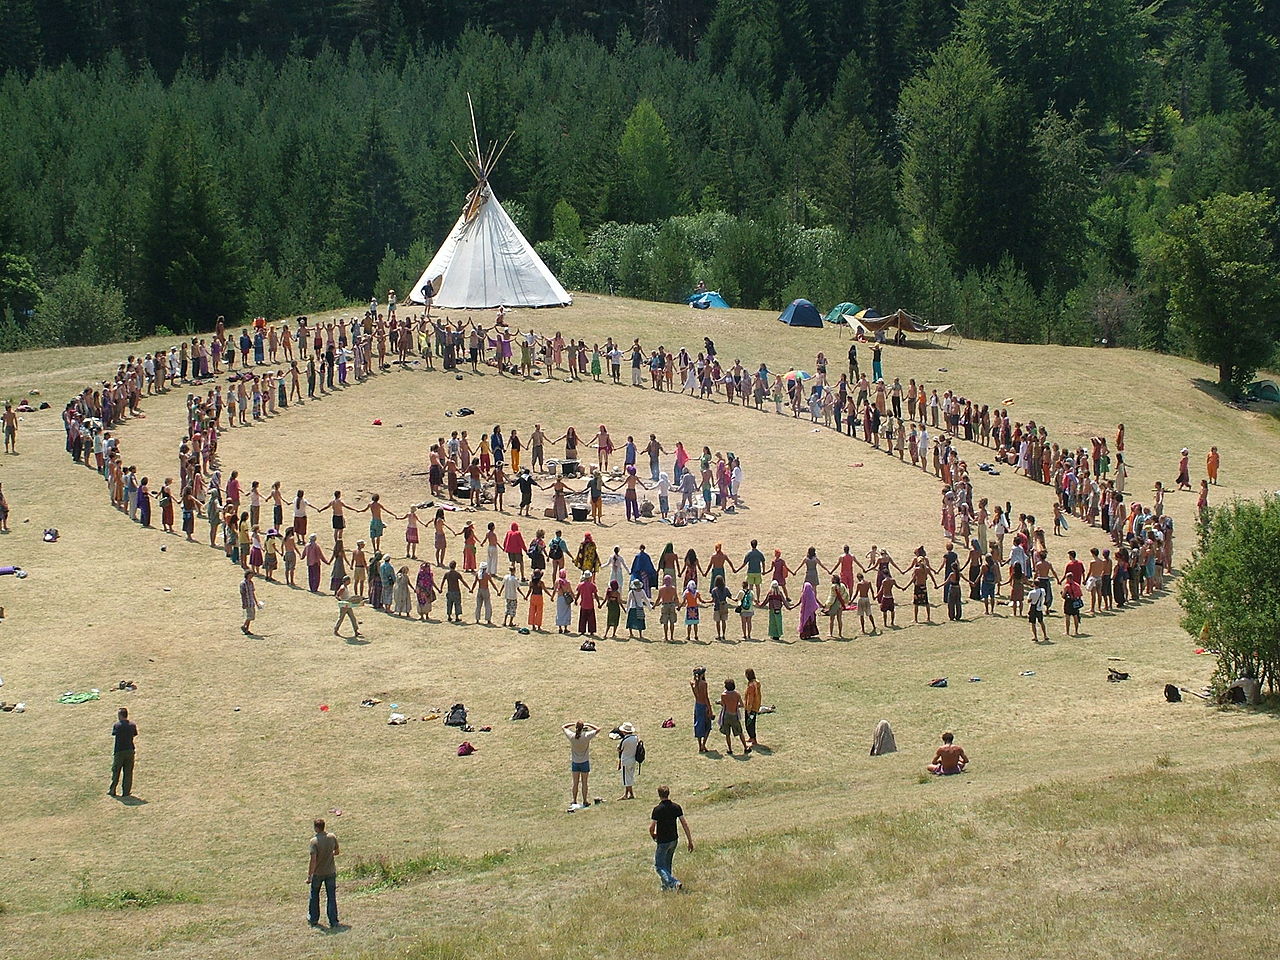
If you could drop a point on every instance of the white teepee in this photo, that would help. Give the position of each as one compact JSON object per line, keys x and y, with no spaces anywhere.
{"x":486,"y":261}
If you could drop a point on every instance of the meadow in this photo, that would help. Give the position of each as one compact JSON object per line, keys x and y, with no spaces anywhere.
{"x":1095,"y":820}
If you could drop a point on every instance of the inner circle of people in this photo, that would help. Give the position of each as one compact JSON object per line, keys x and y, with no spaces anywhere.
{"x":501,"y":561}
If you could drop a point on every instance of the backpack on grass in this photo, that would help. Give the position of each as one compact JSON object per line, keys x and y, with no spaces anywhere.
{"x":456,"y":717}
{"x":1172,"y":693}
{"x":521,"y":712}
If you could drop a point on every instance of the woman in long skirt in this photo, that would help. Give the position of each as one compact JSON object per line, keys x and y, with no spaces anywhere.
{"x":637,"y":603}
{"x":400,"y":593}
{"x":564,"y":603}
{"x":426,"y":590}
{"x":808,"y":612}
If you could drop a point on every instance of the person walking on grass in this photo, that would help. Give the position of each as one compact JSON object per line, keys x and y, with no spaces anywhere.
{"x":346,"y":605}
{"x":580,"y":735}
{"x":124,"y":731}
{"x":662,"y":830}
{"x":249,"y":602}
{"x":321,"y":872}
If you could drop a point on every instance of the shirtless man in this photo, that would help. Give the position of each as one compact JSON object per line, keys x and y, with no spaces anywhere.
{"x":701,"y":706}
{"x":921,"y":572}
{"x":10,"y":429}
{"x":862,"y":597}
{"x":632,"y":484}
{"x":667,"y":598}
{"x":950,"y":757}
{"x":377,"y":525}
{"x":1045,"y":576}
{"x":339,"y":520}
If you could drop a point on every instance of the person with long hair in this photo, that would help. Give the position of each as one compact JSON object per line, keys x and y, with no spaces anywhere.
{"x":580,"y":735}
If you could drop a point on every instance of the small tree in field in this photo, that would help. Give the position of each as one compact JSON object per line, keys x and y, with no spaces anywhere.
{"x":1230,"y":592}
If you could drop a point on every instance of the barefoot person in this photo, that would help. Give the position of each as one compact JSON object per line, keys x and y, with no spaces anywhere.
{"x":950,"y":757}
{"x":701,"y":707}
{"x":580,"y":735}
{"x":731,"y":717}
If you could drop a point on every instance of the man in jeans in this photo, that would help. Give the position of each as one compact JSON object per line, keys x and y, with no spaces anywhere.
{"x":322,"y":872}
{"x":123,"y":730}
{"x":662,"y":828}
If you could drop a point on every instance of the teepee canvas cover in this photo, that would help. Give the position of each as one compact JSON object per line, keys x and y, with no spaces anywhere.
{"x":486,"y":261}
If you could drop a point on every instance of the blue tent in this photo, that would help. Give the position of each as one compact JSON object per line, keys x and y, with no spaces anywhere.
{"x":703,"y":301}
{"x":801,"y":313}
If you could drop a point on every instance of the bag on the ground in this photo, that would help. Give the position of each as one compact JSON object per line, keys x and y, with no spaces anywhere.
{"x":1172,"y":693}
{"x":521,"y":712}
{"x":465,"y":749}
{"x":456,"y":717}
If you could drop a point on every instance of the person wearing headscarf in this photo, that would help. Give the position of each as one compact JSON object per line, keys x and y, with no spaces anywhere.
{"x":637,"y":603}
{"x":514,"y":546}
{"x":692,"y":601}
{"x":564,"y":603}
{"x":400,"y":593}
{"x":643,"y":570}
{"x":775,"y":601}
{"x":808,"y":612}
{"x":588,"y":558}
{"x":587,"y":597}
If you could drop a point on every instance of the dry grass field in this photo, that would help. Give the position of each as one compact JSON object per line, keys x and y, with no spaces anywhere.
{"x":1096,"y":819}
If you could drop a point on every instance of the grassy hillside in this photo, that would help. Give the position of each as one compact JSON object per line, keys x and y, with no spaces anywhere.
{"x":1096,"y":820}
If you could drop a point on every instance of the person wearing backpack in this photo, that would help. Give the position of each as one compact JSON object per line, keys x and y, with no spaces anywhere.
{"x":630,"y":756}
{"x":556,"y":550}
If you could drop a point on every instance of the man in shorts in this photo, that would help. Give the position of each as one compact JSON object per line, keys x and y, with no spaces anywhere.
{"x":10,"y":429}
{"x":1037,"y":599}
{"x":730,"y":721}
{"x":950,"y":758}
{"x":754,"y":562}
{"x":510,"y":593}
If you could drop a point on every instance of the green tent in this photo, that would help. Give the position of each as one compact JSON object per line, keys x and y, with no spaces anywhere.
{"x":1264,"y":390}
{"x":841,"y":311}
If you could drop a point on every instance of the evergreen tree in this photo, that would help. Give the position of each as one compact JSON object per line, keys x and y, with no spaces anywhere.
{"x":190,"y":261}
{"x":646,"y":184}
{"x":369,"y":213}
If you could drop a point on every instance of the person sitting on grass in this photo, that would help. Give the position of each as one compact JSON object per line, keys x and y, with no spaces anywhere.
{"x":950,"y":757}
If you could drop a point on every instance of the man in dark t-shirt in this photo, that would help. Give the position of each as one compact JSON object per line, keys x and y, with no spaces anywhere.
{"x":123,"y":731}
{"x":524,"y":482}
{"x":662,"y":829}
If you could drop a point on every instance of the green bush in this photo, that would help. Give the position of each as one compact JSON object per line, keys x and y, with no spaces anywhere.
{"x":77,"y":310}
{"x":1230,"y":593}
